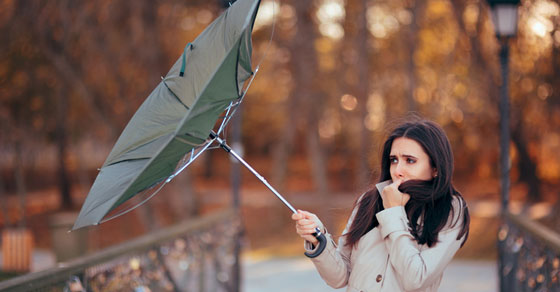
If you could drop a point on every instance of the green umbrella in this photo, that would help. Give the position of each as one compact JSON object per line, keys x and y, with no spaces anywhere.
{"x":175,"y":123}
{"x":177,"y":117}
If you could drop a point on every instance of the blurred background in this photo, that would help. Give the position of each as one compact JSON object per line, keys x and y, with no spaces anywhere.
{"x":335,"y":77}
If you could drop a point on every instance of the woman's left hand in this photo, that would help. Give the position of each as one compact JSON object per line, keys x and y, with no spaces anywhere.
{"x":392,"y":197}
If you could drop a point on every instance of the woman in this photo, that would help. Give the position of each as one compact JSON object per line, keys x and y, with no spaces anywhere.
{"x":403,"y":233}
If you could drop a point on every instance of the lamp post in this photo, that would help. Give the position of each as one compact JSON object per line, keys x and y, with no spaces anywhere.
{"x":504,"y":17}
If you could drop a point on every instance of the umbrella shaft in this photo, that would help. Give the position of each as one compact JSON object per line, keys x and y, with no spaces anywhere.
{"x":260,"y":177}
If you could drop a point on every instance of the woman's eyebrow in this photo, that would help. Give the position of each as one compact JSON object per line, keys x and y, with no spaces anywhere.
{"x":402,"y":155}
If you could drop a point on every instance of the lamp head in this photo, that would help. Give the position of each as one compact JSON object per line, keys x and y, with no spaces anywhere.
{"x":504,"y":16}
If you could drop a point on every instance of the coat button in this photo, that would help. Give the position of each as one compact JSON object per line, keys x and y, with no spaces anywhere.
{"x":378,"y":278}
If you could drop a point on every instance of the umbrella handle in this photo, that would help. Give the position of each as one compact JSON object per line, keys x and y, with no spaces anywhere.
{"x":322,"y":244}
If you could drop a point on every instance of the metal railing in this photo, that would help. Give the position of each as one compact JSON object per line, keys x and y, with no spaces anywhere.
{"x":529,"y":255}
{"x":197,"y":255}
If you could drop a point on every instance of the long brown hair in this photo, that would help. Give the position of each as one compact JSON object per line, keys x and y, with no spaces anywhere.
{"x":431,"y":201}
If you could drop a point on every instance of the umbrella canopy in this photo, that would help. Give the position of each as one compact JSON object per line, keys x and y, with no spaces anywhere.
{"x":178,"y":115}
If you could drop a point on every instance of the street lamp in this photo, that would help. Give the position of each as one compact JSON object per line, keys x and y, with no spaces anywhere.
{"x":504,"y":16}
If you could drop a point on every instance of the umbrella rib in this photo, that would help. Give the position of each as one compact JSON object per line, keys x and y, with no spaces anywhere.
{"x":134,"y":207}
{"x":227,"y":116}
{"x":188,"y":142}
{"x":175,"y":95}
{"x":193,"y":157}
{"x":165,"y":181}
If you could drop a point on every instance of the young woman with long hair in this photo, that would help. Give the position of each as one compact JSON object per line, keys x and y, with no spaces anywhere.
{"x":405,"y":231}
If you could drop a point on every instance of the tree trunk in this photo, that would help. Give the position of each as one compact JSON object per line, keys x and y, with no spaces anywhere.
{"x":3,"y":205}
{"x":20,"y":182}
{"x":527,"y":167}
{"x":362,"y":90}
{"x":148,"y":217}
{"x":417,"y":12}
{"x":356,"y":56}
{"x":554,"y":99}
{"x":61,"y":143}
{"x":182,"y":202}
{"x":146,"y":13}
{"x":302,"y":69}
{"x":235,"y":167}
{"x":555,"y":214}
{"x":283,"y":147}
{"x":305,"y":74}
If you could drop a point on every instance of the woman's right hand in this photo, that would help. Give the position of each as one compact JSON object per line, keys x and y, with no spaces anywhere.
{"x":392,"y":197}
{"x":306,"y":223}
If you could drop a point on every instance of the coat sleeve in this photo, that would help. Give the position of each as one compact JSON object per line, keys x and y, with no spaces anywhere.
{"x":418,"y":269}
{"x":333,"y":264}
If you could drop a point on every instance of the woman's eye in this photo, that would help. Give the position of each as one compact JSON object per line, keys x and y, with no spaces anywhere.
{"x":393,"y":160}
{"x":410,"y":160}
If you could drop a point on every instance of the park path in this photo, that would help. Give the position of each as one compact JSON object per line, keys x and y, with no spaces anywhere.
{"x":299,"y":275}
{"x":275,"y":274}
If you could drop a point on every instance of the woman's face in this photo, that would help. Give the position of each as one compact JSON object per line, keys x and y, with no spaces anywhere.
{"x":409,"y":161}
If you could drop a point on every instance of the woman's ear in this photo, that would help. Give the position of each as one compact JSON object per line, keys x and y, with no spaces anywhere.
{"x":434,"y":172}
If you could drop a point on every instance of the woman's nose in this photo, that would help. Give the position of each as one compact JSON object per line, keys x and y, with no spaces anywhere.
{"x":399,"y":170}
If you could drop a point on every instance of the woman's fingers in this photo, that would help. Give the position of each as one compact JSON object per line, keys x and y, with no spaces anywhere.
{"x":306,"y":224}
{"x":303,"y":215}
{"x":306,"y":233}
{"x":297,"y":216}
{"x":392,"y":197}
{"x":397,"y":181}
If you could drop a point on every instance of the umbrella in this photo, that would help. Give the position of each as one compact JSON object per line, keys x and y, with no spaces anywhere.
{"x":175,"y":124}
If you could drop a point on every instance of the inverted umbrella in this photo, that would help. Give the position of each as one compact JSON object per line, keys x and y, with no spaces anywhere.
{"x":175,"y":123}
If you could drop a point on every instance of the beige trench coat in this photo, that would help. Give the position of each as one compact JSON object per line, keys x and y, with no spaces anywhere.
{"x":387,"y":258}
